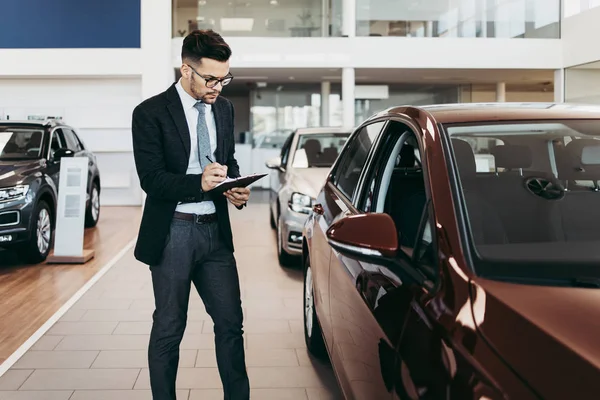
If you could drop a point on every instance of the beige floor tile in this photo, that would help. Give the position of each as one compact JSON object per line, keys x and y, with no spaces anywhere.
{"x":323,"y":394}
{"x":121,"y":395}
{"x":14,"y":378}
{"x":206,"y":358}
{"x":137,"y":359}
{"x":255,"y":394}
{"x":284,"y":377}
{"x":103,"y":304}
{"x":187,"y":378}
{"x":128,"y":295}
{"x":56,"y":359}
{"x":33,"y":395}
{"x":198,"y":341}
{"x":112,"y":323}
{"x":72,"y":315}
{"x":47,"y":343}
{"x":117,"y":315}
{"x":74,"y":379}
{"x":144,"y":327}
{"x":257,"y":326}
{"x":271,"y":358}
{"x":268,"y":311}
{"x":207,"y":394}
{"x":297,"y":326}
{"x":275,"y":341}
{"x":304,"y":358}
{"x":82,"y":328}
{"x":104,"y":342}
{"x":295,"y":302}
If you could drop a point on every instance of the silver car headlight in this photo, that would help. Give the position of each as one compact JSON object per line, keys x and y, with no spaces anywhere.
{"x":14,"y":193}
{"x":301,"y":203}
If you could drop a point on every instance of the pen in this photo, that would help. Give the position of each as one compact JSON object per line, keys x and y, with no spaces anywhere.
{"x":208,"y":158}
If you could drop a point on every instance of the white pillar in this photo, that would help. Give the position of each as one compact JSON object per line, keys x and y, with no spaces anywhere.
{"x":158,"y":72}
{"x":325,"y":18}
{"x":559,"y":85}
{"x":428,"y":28}
{"x":156,"y":33}
{"x":500,"y":92}
{"x":348,"y":111}
{"x":325,"y":92}
{"x":349,"y":18}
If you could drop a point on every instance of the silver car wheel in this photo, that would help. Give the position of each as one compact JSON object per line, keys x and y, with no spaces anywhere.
{"x":279,"y":238}
{"x":309,"y":304}
{"x":95,"y":203}
{"x":43,"y":231}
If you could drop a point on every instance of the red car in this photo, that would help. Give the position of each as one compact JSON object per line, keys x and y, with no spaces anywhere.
{"x":454,"y":253}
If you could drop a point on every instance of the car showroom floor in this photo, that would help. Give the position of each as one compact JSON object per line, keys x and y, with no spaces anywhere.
{"x":97,"y":349}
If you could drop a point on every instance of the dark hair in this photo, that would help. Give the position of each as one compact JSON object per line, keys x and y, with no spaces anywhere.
{"x":204,"y":44}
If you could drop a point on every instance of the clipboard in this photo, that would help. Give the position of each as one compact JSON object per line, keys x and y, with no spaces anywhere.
{"x":242,"y":181}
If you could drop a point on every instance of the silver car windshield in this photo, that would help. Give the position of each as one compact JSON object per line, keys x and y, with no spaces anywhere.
{"x":318,"y":150}
{"x":20,"y":143}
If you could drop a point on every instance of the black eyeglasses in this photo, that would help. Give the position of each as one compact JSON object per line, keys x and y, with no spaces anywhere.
{"x":211,"y":81}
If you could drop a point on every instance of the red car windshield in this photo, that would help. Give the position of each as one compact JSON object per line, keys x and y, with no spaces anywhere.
{"x":531,"y":195}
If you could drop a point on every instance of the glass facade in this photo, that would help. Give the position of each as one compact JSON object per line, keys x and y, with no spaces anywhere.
{"x":268,"y":18}
{"x":461,"y":18}
{"x":573,"y":7}
{"x":275,"y":113}
{"x":432,"y":18}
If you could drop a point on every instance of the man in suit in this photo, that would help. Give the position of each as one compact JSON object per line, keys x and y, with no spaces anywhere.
{"x":183,"y":144}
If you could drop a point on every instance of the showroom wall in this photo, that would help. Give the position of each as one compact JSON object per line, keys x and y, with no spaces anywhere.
{"x":582,"y":84}
{"x":43,"y":24}
{"x":481,"y":93}
{"x":94,"y":83}
{"x":100,"y":111}
{"x":579,"y":29}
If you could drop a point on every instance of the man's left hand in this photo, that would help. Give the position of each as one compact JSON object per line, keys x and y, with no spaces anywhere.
{"x":238,"y":196}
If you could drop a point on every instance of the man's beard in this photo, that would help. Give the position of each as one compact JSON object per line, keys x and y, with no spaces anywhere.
{"x":201,"y":96}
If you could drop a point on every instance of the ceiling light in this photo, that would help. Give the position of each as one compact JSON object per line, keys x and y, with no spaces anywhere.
{"x":201,"y":2}
{"x":292,"y":78}
{"x":274,"y":2}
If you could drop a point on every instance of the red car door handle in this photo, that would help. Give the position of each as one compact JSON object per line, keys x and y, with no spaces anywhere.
{"x":318,"y":209}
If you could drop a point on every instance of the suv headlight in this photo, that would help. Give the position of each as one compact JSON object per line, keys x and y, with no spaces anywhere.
{"x":13,"y":193}
{"x":301,"y":203}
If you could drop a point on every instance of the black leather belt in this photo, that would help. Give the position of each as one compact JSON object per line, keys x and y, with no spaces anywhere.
{"x":197,"y":218}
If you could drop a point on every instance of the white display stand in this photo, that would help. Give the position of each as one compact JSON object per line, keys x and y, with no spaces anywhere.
{"x":70,"y":219}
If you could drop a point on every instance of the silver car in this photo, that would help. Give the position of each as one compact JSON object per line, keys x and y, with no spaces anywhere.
{"x":299,"y":173}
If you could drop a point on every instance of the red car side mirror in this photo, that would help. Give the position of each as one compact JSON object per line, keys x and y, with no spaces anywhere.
{"x":366,"y":235}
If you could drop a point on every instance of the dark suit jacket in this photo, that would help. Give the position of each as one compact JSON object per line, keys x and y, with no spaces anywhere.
{"x":161,"y":148}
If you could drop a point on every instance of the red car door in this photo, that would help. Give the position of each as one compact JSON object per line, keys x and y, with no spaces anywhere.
{"x":356,"y":334}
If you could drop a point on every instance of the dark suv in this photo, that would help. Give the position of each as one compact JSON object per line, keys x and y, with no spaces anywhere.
{"x":30,"y":154}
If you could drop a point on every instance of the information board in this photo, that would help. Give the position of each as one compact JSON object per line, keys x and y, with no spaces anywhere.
{"x":70,"y":220}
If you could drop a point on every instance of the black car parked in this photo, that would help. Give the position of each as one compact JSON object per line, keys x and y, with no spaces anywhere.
{"x":30,"y":154}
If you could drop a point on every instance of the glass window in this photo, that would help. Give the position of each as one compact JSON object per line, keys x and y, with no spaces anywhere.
{"x":397,"y":184}
{"x":72,"y":142}
{"x":354,"y":157}
{"x":318,"y":150}
{"x":461,"y":18}
{"x":58,"y":141}
{"x":268,"y":18}
{"x":536,"y":215}
{"x":285,"y":150}
{"x":20,"y":143}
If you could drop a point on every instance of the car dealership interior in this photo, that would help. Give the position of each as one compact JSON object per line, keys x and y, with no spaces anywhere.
{"x":422,"y":219}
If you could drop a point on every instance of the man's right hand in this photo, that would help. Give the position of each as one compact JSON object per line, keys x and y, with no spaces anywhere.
{"x":212,"y":175}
